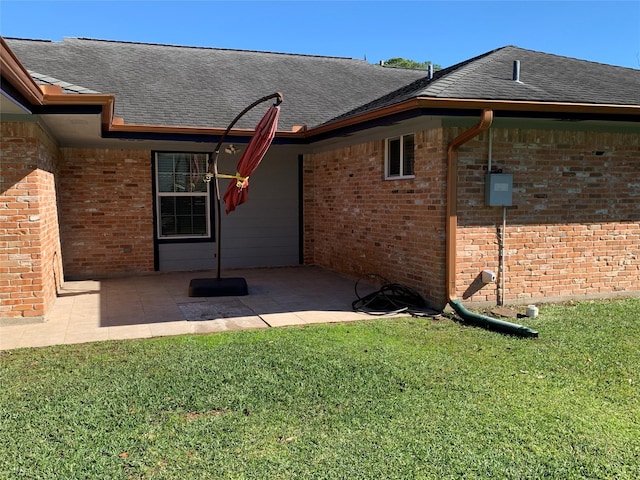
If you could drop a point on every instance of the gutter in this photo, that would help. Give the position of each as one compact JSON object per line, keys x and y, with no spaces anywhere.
{"x":463,"y":104}
{"x":451,"y":231}
{"x":53,"y":96}
{"x":17,"y":75}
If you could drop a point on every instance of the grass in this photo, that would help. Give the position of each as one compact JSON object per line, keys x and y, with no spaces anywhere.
{"x":381,"y":399}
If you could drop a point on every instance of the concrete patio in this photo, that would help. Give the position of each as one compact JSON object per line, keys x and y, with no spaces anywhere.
{"x":154,"y":305}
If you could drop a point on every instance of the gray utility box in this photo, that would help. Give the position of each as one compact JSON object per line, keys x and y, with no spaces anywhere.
{"x":499,"y":189}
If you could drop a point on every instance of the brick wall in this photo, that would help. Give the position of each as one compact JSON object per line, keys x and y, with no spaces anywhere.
{"x":30,"y":260}
{"x":308,"y":208}
{"x":360,"y":223}
{"x":106,"y":212}
{"x":574,"y":229}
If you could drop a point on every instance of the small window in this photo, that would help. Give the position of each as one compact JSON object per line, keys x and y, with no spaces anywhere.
{"x":182,"y":201}
{"x":400,"y":157}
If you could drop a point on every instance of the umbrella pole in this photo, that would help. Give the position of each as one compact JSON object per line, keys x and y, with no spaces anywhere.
{"x":278,"y":97}
{"x":202,"y":287}
{"x":216,"y":187}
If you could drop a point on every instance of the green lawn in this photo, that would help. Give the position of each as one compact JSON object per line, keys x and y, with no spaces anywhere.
{"x":380,"y":399}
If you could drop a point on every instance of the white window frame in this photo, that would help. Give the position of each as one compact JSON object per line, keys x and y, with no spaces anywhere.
{"x":402,"y":174}
{"x":159,"y":195}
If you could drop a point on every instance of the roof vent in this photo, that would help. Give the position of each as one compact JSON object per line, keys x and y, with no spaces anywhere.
{"x":430,"y":71}
{"x":516,"y":71}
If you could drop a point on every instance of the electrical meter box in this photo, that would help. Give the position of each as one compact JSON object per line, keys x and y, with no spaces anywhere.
{"x":499,"y":189}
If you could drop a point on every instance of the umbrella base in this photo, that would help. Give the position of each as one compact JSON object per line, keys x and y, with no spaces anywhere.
{"x":218,"y":287}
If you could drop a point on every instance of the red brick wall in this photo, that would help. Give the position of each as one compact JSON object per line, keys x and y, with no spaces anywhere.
{"x":574,"y":229}
{"x":308,"y":208}
{"x":359,"y":223}
{"x":106,"y":212}
{"x":30,"y":261}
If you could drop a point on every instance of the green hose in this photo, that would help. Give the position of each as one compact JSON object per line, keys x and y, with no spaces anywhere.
{"x":491,"y":323}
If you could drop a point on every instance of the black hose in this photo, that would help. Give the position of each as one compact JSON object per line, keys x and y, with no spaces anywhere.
{"x":389,"y":299}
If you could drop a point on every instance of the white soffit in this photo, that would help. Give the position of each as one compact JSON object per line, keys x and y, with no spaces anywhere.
{"x":74,"y":129}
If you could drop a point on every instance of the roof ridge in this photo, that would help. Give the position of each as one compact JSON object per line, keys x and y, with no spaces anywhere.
{"x":196,"y":47}
{"x":538,"y":52}
{"x":416,"y":88}
{"x":29,"y":39}
{"x":456,"y":72}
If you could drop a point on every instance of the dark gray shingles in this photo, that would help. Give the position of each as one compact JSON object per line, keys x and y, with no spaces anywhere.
{"x":186,"y":86}
{"x":66,"y":86}
{"x":189,"y":86}
{"x":543,"y":77}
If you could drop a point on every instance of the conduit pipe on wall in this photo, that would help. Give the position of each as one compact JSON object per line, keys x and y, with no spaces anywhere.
{"x":451,"y":231}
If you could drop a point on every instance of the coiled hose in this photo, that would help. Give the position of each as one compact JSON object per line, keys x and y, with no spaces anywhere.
{"x":389,"y":299}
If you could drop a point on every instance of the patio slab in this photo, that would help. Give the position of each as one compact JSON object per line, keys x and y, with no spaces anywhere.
{"x":158,"y":304}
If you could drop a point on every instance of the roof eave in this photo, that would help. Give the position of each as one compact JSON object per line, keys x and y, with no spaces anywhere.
{"x":476,"y":104}
{"x":53,"y":96}
{"x":114,"y":126}
{"x":18,"y":76}
{"x":141,"y":129}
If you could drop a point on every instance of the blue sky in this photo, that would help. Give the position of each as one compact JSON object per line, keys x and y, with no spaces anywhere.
{"x":444,"y":32}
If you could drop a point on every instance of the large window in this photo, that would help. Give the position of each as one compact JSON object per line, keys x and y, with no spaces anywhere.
{"x":400,"y":157}
{"x":182,"y":201}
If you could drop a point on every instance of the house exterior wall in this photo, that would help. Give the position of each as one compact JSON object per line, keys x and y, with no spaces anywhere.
{"x":264,"y":231}
{"x":573,"y":230}
{"x":30,"y":258}
{"x":357,"y":223}
{"x":106,"y":212}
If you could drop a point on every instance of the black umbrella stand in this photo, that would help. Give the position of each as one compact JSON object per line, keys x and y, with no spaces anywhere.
{"x":229,"y":286}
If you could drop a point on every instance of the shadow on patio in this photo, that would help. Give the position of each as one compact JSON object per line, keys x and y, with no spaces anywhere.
{"x":158,"y":305}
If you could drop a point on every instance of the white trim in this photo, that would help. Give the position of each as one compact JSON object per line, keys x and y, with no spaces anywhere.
{"x":159,"y":195}
{"x":401,"y":176}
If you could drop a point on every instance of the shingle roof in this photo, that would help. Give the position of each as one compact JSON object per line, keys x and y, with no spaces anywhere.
{"x":193,"y":86}
{"x":187,"y":86}
{"x":543,"y":78}
{"x":67,"y":87}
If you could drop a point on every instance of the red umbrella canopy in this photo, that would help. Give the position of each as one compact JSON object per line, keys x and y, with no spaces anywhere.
{"x":237,"y":191}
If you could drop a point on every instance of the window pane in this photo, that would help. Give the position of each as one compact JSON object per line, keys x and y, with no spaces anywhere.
{"x":199,"y":206}
{"x":184,"y":225}
{"x":165,"y":172}
{"x":165,"y":182}
{"x":199,"y":225}
{"x":407,"y":155}
{"x":183,"y":216}
{"x":181,"y":172}
{"x":180,"y":163}
{"x":183,"y":205}
{"x":393,"y":159}
{"x":167,"y":216}
{"x":181,"y":182}
{"x":168,"y":206}
{"x":165,"y":162}
{"x":198,"y":169}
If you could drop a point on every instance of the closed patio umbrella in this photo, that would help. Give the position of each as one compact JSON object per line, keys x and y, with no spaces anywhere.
{"x":236,"y":193}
